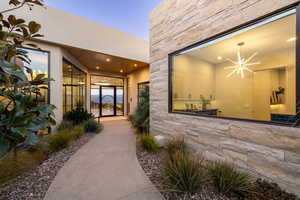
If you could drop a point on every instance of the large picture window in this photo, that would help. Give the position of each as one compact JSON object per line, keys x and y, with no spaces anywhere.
{"x":39,"y":65}
{"x":74,"y":87}
{"x":248,"y":74}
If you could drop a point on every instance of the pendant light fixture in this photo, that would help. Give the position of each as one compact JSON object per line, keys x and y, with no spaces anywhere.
{"x":242,"y":64}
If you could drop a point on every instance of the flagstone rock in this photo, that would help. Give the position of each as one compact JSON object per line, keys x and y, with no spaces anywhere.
{"x":265,"y":150}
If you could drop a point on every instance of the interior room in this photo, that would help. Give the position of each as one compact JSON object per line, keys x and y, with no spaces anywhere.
{"x":248,"y":74}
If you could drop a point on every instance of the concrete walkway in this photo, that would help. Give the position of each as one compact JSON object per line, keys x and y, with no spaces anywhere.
{"x":106,"y":168}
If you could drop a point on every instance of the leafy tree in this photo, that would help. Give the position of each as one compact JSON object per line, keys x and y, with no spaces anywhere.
{"x":140,"y":118}
{"x":21,"y":118}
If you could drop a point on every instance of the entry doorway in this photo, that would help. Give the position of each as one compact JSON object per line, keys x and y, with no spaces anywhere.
{"x":107,"y":100}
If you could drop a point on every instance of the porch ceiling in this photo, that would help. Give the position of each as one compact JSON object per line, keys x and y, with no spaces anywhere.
{"x":95,"y":61}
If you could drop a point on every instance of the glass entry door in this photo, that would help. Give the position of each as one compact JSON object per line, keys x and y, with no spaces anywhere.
{"x":95,"y":100}
{"x":107,"y":101}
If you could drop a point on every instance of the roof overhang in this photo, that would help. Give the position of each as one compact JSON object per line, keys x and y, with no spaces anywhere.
{"x":66,"y":29}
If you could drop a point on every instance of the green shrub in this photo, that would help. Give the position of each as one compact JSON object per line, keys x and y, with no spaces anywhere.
{"x":65,"y":125}
{"x":77,"y":132}
{"x":60,"y":140}
{"x":176,"y":144}
{"x":92,"y":126}
{"x":78,"y":116}
{"x":184,"y":172}
{"x":12,"y":166}
{"x":140,"y":118}
{"x":228,"y":180}
{"x":148,"y":143}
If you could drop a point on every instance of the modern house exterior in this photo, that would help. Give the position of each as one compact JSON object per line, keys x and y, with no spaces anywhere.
{"x":93,"y":66}
{"x":225,"y":74}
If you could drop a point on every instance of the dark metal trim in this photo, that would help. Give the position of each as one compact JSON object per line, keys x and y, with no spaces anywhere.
{"x":71,"y":85}
{"x":242,"y":26}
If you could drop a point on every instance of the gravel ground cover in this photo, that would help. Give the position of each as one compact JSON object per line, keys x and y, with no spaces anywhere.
{"x":152,"y":164}
{"x":34,"y":184}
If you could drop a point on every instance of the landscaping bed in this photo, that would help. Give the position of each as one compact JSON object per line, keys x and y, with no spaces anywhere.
{"x":152,"y":163}
{"x":183,"y":166}
{"x":28,"y":173}
{"x":34,"y":184}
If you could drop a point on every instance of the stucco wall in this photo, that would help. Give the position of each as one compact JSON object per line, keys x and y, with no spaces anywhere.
{"x":63,"y":28}
{"x":139,"y":76}
{"x":269,"y":151}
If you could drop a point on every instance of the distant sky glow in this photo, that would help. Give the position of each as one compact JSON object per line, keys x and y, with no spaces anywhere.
{"x":129,"y":16}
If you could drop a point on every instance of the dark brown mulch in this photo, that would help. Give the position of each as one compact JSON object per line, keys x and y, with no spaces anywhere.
{"x":34,"y":184}
{"x":266,"y":191}
{"x":152,"y":165}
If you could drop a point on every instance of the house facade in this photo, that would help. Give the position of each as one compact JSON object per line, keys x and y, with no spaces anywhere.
{"x":224,"y":74}
{"x":93,"y":66}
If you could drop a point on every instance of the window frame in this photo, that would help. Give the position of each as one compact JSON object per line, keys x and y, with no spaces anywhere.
{"x":295,"y":6}
{"x":138,"y":89}
{"x":85,"y":88}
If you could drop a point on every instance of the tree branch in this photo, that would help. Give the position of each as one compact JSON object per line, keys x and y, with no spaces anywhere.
{"x":15,"y":8}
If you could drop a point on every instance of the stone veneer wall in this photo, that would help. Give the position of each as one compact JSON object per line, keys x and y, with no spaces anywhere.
{"x":269,"y":151}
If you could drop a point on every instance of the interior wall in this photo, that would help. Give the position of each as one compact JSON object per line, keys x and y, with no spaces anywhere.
{"x":234,"y":97}
{"x":192,"y":78}
{"x":139,"y":76}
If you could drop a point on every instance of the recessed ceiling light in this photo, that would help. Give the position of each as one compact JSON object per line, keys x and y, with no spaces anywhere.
{"x":107,"y":59}
{"x":292,"y":39}
{"x":220,"y":58}
{"x":121,"y":71}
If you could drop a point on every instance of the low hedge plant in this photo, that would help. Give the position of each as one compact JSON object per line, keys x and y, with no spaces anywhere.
{"x":78,"y":116}
{"x":184,"y":172}
{"x":92,"y":126}
{"x":65,"y":125}
{"x":176,"y":144}
{"x":148,"y":143}
{"x":59,"y":140}
{"x":77,"y":131}
{"x":228,"y":180}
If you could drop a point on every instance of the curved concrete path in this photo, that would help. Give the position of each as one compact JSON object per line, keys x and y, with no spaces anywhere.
{"x":106,"y":168}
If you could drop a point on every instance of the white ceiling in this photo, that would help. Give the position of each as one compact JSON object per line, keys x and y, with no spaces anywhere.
{"x":264,"y":40}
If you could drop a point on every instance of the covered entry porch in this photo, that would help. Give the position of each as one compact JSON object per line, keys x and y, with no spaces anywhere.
{"x":104,"y":85}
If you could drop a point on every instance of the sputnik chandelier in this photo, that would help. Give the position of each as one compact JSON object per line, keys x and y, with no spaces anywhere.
{"x":242,"y":64}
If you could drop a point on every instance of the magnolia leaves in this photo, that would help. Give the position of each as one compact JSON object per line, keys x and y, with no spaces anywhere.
{"x":18,"y":2}
{"x":21,"y":118}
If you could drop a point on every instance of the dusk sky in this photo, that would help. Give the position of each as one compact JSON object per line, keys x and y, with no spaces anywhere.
{"x":129,"y":16}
